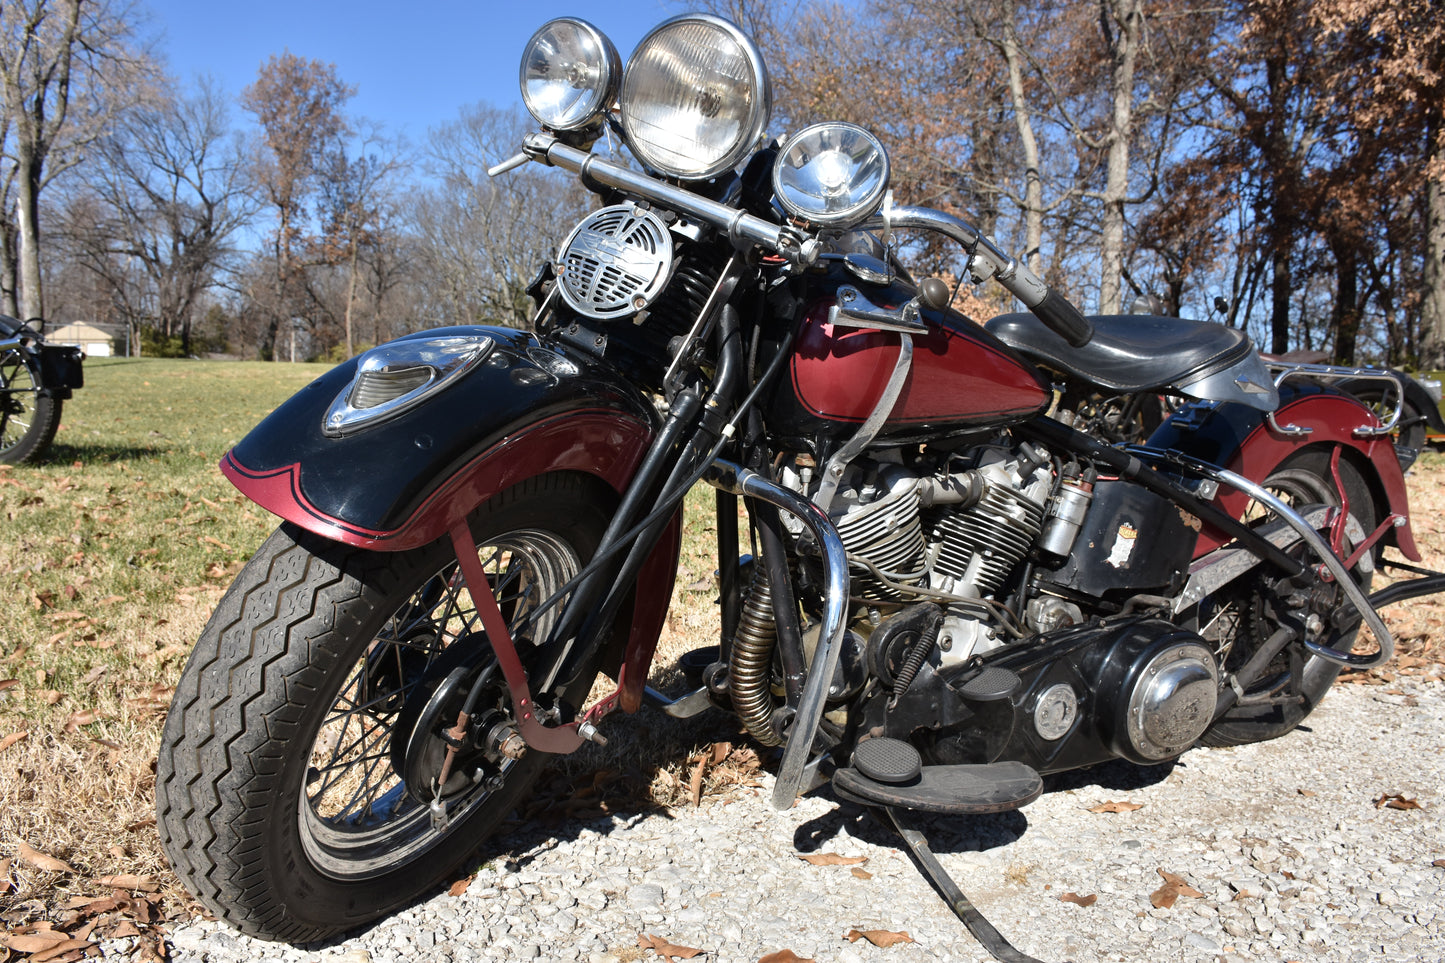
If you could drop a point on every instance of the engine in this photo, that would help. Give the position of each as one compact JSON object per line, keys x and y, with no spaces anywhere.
{"x":956,"y":534}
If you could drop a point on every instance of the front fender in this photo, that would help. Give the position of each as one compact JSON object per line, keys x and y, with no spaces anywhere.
{"x":526,"y":410}
{"x":1241,"y":439}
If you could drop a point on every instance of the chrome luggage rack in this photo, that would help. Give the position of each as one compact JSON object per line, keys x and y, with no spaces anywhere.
{"x":1329,"y":373}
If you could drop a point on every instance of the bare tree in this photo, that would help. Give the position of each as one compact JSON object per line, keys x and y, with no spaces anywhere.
{"x":67,"y":68}
{"x":480,"y":240}
{"x":298,"y":105}
{"x":353,"y":194}
{"x":167,"y":191}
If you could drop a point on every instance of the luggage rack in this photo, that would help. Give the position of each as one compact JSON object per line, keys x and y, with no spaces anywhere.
{"x":1329,"y":374}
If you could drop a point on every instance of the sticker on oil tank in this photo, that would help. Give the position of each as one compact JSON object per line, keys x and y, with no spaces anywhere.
{"x":1123,"y":546}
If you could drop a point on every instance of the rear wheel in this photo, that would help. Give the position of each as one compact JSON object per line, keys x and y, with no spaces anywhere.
{"x":28,"y":419}
{"x":300,"y":786}
{"x":1248,"y":612}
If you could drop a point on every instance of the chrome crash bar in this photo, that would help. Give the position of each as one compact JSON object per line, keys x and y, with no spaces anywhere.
{"x":734,"y":478}
{"x":1329,"y":373}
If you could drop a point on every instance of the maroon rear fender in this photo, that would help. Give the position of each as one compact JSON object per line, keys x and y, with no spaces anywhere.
{"x":1243,"y":441}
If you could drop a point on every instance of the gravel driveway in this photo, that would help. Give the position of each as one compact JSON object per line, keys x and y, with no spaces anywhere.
{"x":1291,"y":850}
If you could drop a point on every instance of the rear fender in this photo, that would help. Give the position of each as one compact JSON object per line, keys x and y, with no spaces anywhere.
{"x":1241,"y":440}
{"x":527,"y":409}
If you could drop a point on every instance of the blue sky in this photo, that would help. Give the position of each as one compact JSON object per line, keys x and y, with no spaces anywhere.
{"x":415,"y":64}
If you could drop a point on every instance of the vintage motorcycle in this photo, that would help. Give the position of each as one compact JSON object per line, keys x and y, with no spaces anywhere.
{"x":947,"y":593}
{"x":35,"y":379}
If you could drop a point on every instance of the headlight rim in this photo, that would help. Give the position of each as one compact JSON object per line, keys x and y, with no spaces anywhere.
{"x":604,"y":95}
{"x":858,"y":211}
{"x":753,"y":130}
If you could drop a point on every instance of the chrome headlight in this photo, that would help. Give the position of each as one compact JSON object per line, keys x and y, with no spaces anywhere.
{"x":695,"y":97}
{"x":833,"y":175}
{"x":569,"y":74}
{"x":392,"y":378}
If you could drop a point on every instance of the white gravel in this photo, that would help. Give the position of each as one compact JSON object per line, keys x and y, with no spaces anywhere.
{"x":1284,"y":840}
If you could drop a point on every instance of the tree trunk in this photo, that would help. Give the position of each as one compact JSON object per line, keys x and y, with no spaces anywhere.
{"x":27,"y":222}
{"x":8,"y":264}
{"x":1432,"y":306}
{"x":1116,"y":189}
{"x":350,"y":299}
{"x":1010,"y":47}
{"x":1347,"y":313}
{"x":1281,"y":288}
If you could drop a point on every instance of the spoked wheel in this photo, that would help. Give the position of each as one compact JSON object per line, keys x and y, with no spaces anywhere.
{"x":1248,"y":612}
{"x":305,"y":783}
{"x":28,"y":419}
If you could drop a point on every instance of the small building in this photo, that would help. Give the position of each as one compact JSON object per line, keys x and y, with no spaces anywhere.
{"x":90,"y":339}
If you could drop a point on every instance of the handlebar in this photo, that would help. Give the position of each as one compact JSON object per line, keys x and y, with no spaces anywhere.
{"x":986,"y":259}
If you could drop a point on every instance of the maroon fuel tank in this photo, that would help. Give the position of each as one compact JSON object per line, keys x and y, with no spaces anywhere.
{"x":962,"y":379}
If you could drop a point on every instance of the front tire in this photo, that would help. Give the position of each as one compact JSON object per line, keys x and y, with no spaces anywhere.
{"x":292,"y":786}
{"x":28,"y":417}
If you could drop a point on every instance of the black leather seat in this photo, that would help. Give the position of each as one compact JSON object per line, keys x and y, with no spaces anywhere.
{"x":1129,"y":352}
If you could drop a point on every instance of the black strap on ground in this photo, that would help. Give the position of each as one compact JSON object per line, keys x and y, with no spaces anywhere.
{"x":982,"y":930}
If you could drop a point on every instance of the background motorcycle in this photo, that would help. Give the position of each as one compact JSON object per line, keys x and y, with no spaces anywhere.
{"x":35,"y":378}
{"x":948,"y":593}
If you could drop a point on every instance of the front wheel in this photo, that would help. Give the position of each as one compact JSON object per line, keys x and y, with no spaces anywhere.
{"x":28,"y":418}
{"x":301,"y":785}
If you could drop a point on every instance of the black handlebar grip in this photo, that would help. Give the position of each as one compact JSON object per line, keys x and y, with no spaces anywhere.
{"x":1059,"y":313}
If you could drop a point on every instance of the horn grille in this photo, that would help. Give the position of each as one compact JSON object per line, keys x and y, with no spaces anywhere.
{"x":615,"y":262}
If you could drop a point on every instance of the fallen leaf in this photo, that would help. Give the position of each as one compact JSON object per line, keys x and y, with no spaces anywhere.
{"x":124,"y":928}
{"x":1173,"y":888}
{"x":13,"y":738}
{"x":1306,"y":792}
{"x":879,"y":938}
{"x":1116,"y":807}
{"x":694,"y":789}
{"x":42,"y":946}
{"x":7,"y":884}
{"x":786,"y":956}
{"x":1075,"y":898}
{"x":831,"y":859}
{"x":40,"y":860}
{"x":130,"y":881}
{"x":665,"y":949}
{"x":83,"y":718}
{"x":1396,"y":801}
{"x":861,"y":873}
{"x":68,"y":952}
{"x":459,"y":887}
{"x":1440,"y":863}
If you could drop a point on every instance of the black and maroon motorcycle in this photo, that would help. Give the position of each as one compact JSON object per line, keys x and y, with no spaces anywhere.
{"x":946,"y":591}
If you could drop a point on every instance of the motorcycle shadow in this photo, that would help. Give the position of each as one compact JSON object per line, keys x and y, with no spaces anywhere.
{"x":975,"y":833}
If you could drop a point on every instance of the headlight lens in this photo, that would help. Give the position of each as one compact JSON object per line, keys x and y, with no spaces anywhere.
{"x":695,"y":97}
{"x":833,"y":175}
{"x":569,"y":74}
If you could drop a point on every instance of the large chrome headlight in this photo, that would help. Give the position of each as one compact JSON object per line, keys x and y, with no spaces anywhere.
{"x":695,"y":97}
{"x":569,"y":76}
{"x":833,"y":175}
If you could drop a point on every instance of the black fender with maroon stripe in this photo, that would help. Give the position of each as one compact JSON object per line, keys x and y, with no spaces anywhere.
{"x":509,"y":410}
